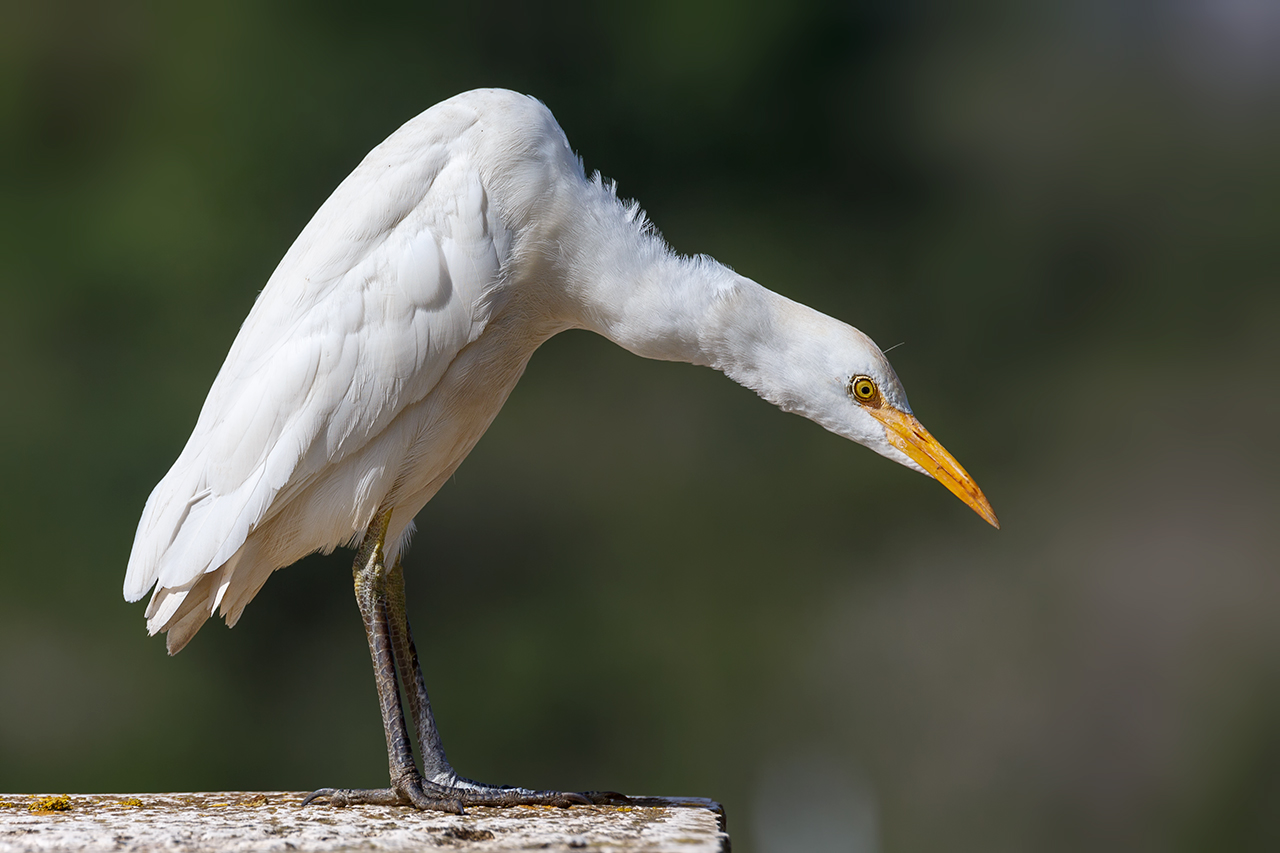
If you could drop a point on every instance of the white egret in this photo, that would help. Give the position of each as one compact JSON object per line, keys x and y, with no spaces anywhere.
{"x":389,"y":337}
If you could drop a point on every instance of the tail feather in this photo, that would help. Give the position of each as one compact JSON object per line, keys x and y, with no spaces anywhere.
{"x":185,"y":626}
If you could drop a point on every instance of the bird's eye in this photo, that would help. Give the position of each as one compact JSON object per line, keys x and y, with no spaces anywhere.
{"x":864,"y":390}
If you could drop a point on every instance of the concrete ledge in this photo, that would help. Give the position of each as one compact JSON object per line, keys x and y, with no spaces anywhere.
{"x":273,"y":820}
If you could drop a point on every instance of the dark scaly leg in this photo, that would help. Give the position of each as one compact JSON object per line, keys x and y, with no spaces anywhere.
{"x":380,"y":596}
{"x":435,"y":767}
{"x":407,"y":786}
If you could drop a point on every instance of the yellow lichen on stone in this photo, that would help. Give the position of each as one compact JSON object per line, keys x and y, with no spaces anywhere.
{"x":131,"y":803}
{"x":259,"y":800}
{"x":60,"y":803}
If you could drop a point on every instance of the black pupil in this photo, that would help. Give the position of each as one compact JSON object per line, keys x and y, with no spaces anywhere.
{"x":864,"y":389}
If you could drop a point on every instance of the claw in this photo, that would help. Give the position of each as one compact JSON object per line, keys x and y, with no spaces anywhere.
{"x":316,"y":794}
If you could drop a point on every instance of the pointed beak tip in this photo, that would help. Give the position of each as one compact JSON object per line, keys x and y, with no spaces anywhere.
{"x":976,"y":501}
{"x":910,"y":437}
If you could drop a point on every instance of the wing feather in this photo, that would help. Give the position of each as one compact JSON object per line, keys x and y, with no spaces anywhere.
{"x":366,"y":311}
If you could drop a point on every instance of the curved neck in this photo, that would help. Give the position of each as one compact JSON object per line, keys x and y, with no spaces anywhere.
{"x":620,"y":280}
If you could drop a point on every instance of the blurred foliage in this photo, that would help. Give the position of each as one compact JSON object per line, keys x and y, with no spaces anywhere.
{"x":644,"y":579}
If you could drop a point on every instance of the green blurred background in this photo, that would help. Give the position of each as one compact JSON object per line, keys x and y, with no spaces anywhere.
{"x":644,"y":578}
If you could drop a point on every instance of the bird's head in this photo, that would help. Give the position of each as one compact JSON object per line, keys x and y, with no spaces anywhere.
{"x":842,"y":380}
{"x":879,"y":402}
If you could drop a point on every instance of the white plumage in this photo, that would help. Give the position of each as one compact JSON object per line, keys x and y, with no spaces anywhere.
{"x":396,"y":325}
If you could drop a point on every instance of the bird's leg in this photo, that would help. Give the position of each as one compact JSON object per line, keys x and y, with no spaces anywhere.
{"x":407,"y":787}
{"x":439,"y":775}
{"x":435,"y":766}
{"x":380,"y":595}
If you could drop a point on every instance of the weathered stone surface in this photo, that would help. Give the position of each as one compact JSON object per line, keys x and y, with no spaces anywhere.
{"x":245,"y":821}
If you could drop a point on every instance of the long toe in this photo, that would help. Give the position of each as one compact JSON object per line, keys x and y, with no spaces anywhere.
{"x":355,"y":797}
{"x":491,"y":795}
{"x":411,"y":795}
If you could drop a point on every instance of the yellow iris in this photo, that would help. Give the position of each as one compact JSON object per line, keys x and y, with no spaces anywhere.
{"x":863,"y":389}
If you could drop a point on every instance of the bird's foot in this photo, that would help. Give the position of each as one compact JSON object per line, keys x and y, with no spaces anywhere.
{"x":408,"y":791}
{"x":455,"y":792}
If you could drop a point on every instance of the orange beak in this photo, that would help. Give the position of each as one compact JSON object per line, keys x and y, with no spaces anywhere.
{"x":909,"y":435}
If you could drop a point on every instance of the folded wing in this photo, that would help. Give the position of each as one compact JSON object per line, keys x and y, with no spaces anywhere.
{"x":389,"y":281}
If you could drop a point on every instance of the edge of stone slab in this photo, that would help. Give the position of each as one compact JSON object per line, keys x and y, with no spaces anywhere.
{"x":262,"y":820}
